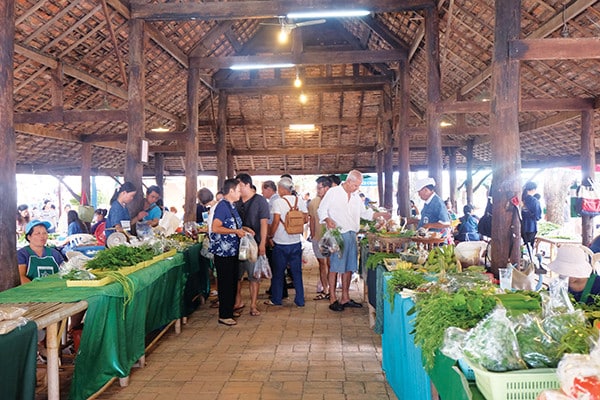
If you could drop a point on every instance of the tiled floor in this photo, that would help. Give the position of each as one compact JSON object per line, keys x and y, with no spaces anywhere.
{"x":287,"y":353}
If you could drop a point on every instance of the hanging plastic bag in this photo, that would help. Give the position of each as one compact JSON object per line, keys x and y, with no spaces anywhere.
{"x":205,"y":250}
{"x":262,"y":268}
{"x":328,"y":244}
{"x":252,"y":248}
{"x":244,"y":248}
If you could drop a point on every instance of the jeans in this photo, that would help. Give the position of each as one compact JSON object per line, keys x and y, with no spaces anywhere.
{"x":284,"y":255}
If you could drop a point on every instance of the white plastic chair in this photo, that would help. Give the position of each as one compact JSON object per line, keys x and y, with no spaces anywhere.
{"x":80,"y":239}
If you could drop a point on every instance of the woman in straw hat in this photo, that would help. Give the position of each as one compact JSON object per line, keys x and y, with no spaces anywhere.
{"x":575,"y":262}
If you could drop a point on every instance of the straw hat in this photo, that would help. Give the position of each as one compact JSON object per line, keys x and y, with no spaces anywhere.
{"x":574,"y":261}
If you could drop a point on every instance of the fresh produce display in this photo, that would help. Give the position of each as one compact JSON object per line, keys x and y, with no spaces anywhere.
{"x":437,"y":310}
{"x":376,"y":258}
{"x":120,"y":256}
{"x":442,"y":258}
{"x":403,"y":279}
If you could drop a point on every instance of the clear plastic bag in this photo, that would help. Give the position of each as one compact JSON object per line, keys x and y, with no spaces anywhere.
{"x":205,"y":250}
{"x":328,"y":244}
{"x":537,"y":347}
{"x":11,"y":312}
{"x":501,"y":354}
{"x":262,"y":268}
{"x":252,"y":248}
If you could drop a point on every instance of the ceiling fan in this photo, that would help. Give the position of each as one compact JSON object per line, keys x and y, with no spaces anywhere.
{"x":287,"y":26}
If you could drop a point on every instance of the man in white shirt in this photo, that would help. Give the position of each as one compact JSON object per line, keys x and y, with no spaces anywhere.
{"x":343,"y":208}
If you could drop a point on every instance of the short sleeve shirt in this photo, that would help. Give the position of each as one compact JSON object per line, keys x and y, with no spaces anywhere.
{"x":116,"y":214}
{"x":153,"y":213}
{"x":281,"y":207}
{"x":435,"y":211}
{"x":252,"y":211}
{"x":226,"y":245}
{"x":25,"y":253}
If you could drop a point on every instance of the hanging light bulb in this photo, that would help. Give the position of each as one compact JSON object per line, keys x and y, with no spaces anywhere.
{"x":297,"y":81}
{"x":283,"y":36}
{"x":303,"y":99}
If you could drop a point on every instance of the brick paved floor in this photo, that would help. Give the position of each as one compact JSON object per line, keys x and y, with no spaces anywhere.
{"x":309,"y":353}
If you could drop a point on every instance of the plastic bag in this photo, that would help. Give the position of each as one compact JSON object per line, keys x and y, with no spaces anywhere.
{"x":328,"y":244}
{"x":205,"y":250}
{"x":9,"y":325}
{"x":537,"y":347}
{"x":11,"y":312}
{"x":252,"y":248}
{"x":262,"y":268}
{"x":579,"y":376}
{"x":497,"y":355}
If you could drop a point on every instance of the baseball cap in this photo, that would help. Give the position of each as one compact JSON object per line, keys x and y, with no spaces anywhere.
{"x":32,"y":224}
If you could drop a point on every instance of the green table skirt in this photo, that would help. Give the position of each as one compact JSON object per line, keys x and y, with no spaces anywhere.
{"x":18,"y":355}
{"x":113,"y":337}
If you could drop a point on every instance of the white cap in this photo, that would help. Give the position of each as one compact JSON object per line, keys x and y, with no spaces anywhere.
{"x":572,"y":260}
{"x":421,"y":183}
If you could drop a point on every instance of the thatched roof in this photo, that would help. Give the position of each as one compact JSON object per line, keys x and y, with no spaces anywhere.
{"x":349,"y":67}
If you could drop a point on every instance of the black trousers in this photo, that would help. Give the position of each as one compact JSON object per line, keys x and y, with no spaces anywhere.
{"x":227,"y":279}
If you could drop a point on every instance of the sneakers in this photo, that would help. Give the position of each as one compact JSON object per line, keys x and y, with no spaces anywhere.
{"x":336,"y":306}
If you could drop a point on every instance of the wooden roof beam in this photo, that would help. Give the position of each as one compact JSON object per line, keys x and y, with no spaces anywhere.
{"x":546,"y":29}
{"x":308,"y":58}
{"x":334,"y":83}
{"x":261,"y":9}
{"x":70,"y":116}
{"x":555,"y":49}
{"x":527,"y":105}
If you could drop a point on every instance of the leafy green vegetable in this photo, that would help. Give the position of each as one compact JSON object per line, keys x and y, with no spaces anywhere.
{"x":437,"y":310}
{"x":120,"y":256}
{"x":375,"y":258}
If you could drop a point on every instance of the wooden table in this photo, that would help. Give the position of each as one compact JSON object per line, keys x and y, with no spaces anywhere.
{"x":53,"y":317}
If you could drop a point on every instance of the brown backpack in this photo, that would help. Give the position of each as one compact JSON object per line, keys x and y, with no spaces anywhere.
{"x":294,"y":219}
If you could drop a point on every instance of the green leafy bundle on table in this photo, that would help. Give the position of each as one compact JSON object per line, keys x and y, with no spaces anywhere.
{"x":438,"y":310}
{"x":376,"y":258}
{"x":120,"y":256}
{"x":403,"y":279}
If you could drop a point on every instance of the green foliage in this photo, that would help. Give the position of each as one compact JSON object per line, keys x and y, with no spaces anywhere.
{"x":120,"y":256}
{"x":375,"y":258}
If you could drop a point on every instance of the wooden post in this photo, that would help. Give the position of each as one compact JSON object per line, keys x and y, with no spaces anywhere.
{"x":388,"y":148}
{"x":469,"y":180}
{"x":222,"y":139}
{"x":57,"y":88}
{"x":452,"y":170}
{"x":434,"y":138}
{"x":9,"y":274}
{"x":191,"y":148}
{"x":404,"y":141}
{"x":86,"y":171}
{"x":504,"y":131}
{"x":380,"y":178}
{"x":159,"y":171}
{"x":135,"y":111}
{"x":588,"y":169}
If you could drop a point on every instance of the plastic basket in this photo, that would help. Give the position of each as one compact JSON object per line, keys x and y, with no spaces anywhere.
{"x":515,"y":385}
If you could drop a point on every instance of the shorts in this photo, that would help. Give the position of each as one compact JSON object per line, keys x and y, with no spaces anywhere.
{"x":316,"y":250}
{"x":346,"y":260}
{"x":247,"y":267}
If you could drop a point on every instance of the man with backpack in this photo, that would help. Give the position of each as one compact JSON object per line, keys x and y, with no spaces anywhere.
{"x":285,"y":232}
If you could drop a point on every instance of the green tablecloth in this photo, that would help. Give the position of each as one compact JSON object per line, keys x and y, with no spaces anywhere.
{"x":197,"y":286}
{"x":18,"y":352}
{"x":113,"y":338}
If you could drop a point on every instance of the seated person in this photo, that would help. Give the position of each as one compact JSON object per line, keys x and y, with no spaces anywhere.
{"x":99,"y":217}
{"x":467,"y":228}
{"x":37,"y":259}
{"x":575,"y":262}
{"x":75,"y":226}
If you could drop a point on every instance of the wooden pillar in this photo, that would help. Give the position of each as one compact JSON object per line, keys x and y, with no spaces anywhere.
{"x":222,"y":139}
{"x":135,"y":111}
{"x":380,"y":191}
{"x":404,"y":140}
{"x":86,"y":171}
{"x":504,"y":131}
{"x":230,"y":165}
{"x":388,"y":149}
{"x":191,"y":148}
{"x":588,"y":169}
{"x":434,"y":139}
{"x":452,"y":170}
{"x":159,"y":171}
{"x":469,"y":180}
{"x":56,"y":88}
{"x":9,"y":273}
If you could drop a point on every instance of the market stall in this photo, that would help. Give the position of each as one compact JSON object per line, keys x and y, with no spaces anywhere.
{"x":113,"y":338}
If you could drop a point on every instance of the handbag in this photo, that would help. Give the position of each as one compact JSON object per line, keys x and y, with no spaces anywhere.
{"x":588,"y":198}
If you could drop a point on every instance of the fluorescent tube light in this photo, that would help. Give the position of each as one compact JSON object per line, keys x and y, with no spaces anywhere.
{"x":239,"y":67}
{"x":328,"y":14}
{"x":302,"y":127}
{"x":159,"y":129}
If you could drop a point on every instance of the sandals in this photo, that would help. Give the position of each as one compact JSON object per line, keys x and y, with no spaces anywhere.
{"x":227,"y":321}
{"x":255,"y":312}
{"x":322,"y":296}
{"x":240,"y":308}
